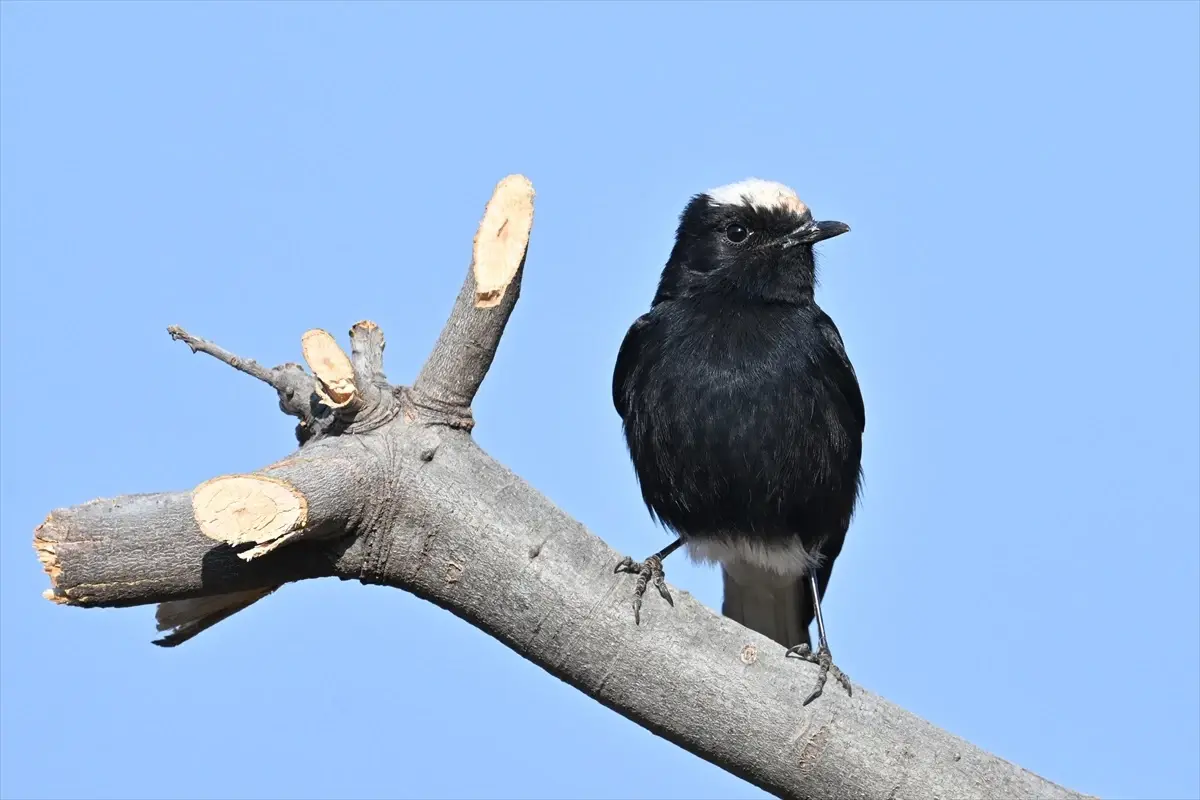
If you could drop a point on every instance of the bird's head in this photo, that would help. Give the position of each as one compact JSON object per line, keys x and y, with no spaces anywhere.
{"x":753,"y":238}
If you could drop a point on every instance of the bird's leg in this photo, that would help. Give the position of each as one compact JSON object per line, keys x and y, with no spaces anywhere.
{"x":649,"y":570}
{"x":822,"y":658}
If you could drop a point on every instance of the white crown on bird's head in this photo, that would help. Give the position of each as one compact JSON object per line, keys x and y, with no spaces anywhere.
{"x":759,"y":193}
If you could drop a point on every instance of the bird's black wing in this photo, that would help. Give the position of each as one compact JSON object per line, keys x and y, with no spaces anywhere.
{"x":842,"y":374}
{"x":627,"y":358}
{"x":784,"y":613}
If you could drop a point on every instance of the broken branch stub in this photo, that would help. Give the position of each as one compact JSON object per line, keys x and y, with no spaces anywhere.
{"x":447,"y":383}
{"x":502,"y":239}
{"x":48,"y":556}
{"x":249,"y":509}
{"x":366,"y":353}
{"x":331,"y":365}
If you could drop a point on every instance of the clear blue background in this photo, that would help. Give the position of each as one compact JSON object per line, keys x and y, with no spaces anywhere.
{"x":1019,"y":295}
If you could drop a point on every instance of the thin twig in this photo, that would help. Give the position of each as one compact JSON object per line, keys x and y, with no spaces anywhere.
{"x":246,"y":365}
{"x":294,"y":386}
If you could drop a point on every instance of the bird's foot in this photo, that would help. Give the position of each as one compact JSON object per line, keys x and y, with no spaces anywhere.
{"x":823,"y":659}
{"x":649,"y":570}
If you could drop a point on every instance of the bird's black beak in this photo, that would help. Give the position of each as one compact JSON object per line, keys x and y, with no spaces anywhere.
{"x":813,"y":232}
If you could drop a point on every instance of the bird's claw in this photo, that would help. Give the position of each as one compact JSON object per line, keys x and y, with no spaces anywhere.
{"x":649,"y":570}
{"x":823,"y":659}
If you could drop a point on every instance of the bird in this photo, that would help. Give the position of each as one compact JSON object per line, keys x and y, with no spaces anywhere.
{"x":743,"y":416}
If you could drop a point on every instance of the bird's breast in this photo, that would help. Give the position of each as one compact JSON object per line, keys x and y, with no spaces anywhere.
{"x":732,"y":427}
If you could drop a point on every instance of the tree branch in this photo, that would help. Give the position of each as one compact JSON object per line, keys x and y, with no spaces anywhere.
{"x":410,"y":501}
{"x":464,"y":351}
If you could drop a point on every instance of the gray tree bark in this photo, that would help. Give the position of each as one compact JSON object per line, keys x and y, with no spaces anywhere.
{"x":388,"y":487}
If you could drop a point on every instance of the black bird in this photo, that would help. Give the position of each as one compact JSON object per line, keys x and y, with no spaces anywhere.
{"x":743,"y":414}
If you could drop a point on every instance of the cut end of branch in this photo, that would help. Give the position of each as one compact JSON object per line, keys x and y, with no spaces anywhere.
{"x":249,"y":509}
{"x":46,"y":552}
{"x":502,"y":239}
{"x":366,"y":327}
{"x":331,"y":365}
{"x":48,"y":556}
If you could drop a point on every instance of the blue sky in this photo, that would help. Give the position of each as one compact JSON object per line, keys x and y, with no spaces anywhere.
{"x":1019,"y":295}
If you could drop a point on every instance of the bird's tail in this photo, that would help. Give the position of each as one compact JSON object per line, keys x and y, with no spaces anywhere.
{"x":764,"y":602}
{"x":183,"y":619}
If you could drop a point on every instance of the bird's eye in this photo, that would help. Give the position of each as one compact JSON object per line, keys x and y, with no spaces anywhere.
{"x":736,"y":233}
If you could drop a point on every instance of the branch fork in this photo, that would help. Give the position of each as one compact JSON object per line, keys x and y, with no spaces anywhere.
{"x":345,"y":398}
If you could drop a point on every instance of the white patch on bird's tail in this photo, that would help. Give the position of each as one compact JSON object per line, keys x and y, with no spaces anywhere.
{"x":779,"y":561}
{"x":765,"y":583}
{"x":762,"y":602}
